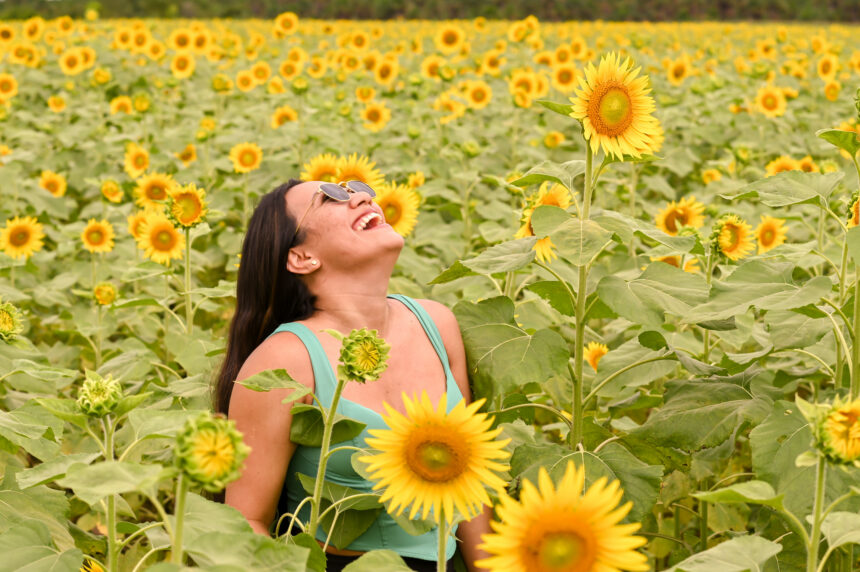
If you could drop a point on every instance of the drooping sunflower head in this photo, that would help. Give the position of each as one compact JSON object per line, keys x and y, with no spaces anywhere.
{"x":210,"y":451}
{"x":839,"y":432}
{"x":686,"y":212}
{"x":10,"y":322}
{"x":711,"y":175}
{"x":111,"y":191}
{"x":104,"y":293}
{"x":159,"y":239}
{"x":593,"y":352}
{"x":99,"y":395}
{"x":400,"y":206}
{"x":770,"y":233}
{"x":188,"y":155}
{"x":731,"y":237}
{"x":363,"y":355}
{"x":21,"y":237}
{"x":435,"y":460}
{"x":321,"y":168}
{"x":98,"y":236}
{"x":357,"y":167}
{"x":187,"y":205}
{"x":615,"y":109}
{"x":121,"y":104}
{"x":283,"y":114}
{"x":561,"y":529}
{"x":553,"y":195}
{"x":152,"y":190}
{"x":246,"y":157}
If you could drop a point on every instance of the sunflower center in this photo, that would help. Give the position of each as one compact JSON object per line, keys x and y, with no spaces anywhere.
{"x":6,"y":86}
{"x":769,"y":102}
{"x":213,"y":454}
{"x":51,"y":186}
{"x":248,"y":158}
{"x":367,"y":355}
{"x":560,"y":551}
{"x":392,"y":213}
{"x":157,"y":193}
{"x":450,"y":38}
{"x":479,"y":95}
{"x":614,"y":111}
{"x":139,"y":161}
{"x":164,"y":240}
{"x":20,"y":237}
{"x":435,"y":461}
{"x":767,"y":237}
{"x":6,"y":322}
{"x":95,"y":236}
{"x":673,"y":218}
{"x":565,"y":76}
{"x":678,"y":71}
{"x":732,"y":236}
{"x":373,"y":115}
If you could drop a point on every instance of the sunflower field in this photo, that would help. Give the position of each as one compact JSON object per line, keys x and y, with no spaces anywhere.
{"x":649,"y":235}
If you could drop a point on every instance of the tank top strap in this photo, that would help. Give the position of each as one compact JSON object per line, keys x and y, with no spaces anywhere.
{"x":324,"y":378}
{"x":429,"y":326}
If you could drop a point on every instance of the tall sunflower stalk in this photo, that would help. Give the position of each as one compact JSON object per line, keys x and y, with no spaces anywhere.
{"x":363,"y":358}
{"x":187,"y":209}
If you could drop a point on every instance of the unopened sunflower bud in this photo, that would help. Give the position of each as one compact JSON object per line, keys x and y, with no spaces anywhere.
{"x":10,"y":322}
{"x":363,"y":355}
{"x":210,"y":451}
{"x":99,"y":395}
{"x":104,"y":293}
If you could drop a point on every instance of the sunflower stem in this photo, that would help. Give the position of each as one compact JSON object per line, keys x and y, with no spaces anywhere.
{"x":855,"y":343}
{"x":634,"y":181}
{"x":113,"y":546}
{"x":706,"y":334}
{"x":324,"y":447}
{"x":843,"y":272}
{"x":181,"y":492}
{"x":98,"y":344}
{"x":581,"y":295}
{"x":443,"y":536}
{"x":189,"y":309}
{"x":815,"y":538}
{"x":245,"y":202}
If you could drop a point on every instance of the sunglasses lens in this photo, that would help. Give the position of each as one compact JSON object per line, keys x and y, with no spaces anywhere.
{"x":361,"y":187}
{"x":335,"y":191}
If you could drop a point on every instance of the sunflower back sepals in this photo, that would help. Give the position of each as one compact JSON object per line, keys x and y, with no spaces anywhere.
{"x":210,"y":451}
{"x":363,"y":355}
{"x":99,"y":396}
{"x":11,"y":324}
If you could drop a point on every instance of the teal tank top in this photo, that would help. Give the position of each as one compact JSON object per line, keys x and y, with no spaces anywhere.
{"x":384,"y":533}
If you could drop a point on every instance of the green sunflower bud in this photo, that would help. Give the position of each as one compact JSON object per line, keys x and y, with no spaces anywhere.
{"x":10,"y":322}
{"x":210,"y":451}
{"x":299,"y":85}
{"x":471,"y":149}
{"x":363,"y":355}
{"x":99,"y":395}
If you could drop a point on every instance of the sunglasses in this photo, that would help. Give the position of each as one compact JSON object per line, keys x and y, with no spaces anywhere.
{"x":339,"y":192}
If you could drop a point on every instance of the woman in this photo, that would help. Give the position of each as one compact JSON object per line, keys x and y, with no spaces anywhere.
{"x":320,"y":256}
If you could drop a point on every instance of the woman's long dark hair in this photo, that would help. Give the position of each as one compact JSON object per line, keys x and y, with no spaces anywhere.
{"x":267,"y":294}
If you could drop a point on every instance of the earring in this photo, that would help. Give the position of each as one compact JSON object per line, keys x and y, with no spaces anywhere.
{"x":314,"y":262}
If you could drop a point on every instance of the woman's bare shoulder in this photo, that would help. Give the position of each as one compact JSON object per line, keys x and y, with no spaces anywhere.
{"x":283,"y":350}
{"x":441,"y":314}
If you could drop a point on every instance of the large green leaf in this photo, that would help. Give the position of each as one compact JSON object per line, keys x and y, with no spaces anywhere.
{"x":846,"y":140}
{"x":625,"y":227}
{"x":560,"y":108}
{"x":378,"y":561}
{"x":504,"y":257}
{"x":91,"y":483}
{"x":152,"y":423}
{"x":623,"y":356}
{"x":50,"y":470}
{"x":547,"y":218}
{"x":563,"y":173}
{"x":308,"y":424}
{"x":276,"y":379}
{"x":764,"y":285}
{"x":555,"y":293}
{"x":853,"y":238}
{"x":840,"y":528}
{"x":21,"y":429}
{"x":580,"y":241}
{"x":702,"y":414}
{"x":505,"y":355}
{"x":741,"y":554}
{"x":248,"y":551}
{"x":790,"y":188}
{"x":333,"y":492}
{"x":752,"y":492}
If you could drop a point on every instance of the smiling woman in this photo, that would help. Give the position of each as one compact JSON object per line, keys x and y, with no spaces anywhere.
{"x":319,"y":256}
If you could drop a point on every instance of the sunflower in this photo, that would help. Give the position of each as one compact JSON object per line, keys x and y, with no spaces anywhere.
{"x":711,"y":175}
{"x":492,"y":62}
{"x":136,"y":160}
{"x":121,"y":103}
{"x":98,"y":236}
{"x":21,"y":237}
{"x":841,"y":431}
{"x":436,"y":460}
{"x":359,"y":168}
{"x":807,"y":165}
{"x":246,"y":157}
{"x":187,"y":155}
{"x":111,"y":191}
{"x":770,"y":101}
{"x":290,"y":69}
{"x":321,"y":168}
{"x":446,"y":102}
{"x":182,"y":66}
{"x":449,"y":39}
{"x":832,"y":89}
{"x":554,"y":529}
{"x":159,"y":239}
{"x":71,"y":62}
{"x":399,"y":204}
{"x":245,"y":81}
{"x":10,"y":322}
{"x":593,"y":352}
{"x":564,"y":77}
{"x":210,"y":451}
{"x":283,"y":114}
{"x":8,"y":86}
{"x":135,"y":224}
{"x":285,"y":24}
{"x":553,"y":139}
{"x":261,"y":72}
{"x":105,"y":293}
{"x":152,"y":190}
{"x":614,"y":108}
{"x":686,"y":212}
{"x":431,"y":65}
{"x":375,"y":116}
{"x":478,"y":94}
{"x":732,"y":237}
{"x":365,"y":94}
{"x":692,"y":265}
{"x":415,"y":180}
{"x":827,"y":67}
{"x":770,"y":233}
{"x":386,"y":72}
{"x":317,"y":67}
{"x":780,"y":164}
{"x":179,"y":39}
{"x":187,"y":205}
{"x":52,"y":182}
{"x":91,"y":565}
{"x":678,"y":70}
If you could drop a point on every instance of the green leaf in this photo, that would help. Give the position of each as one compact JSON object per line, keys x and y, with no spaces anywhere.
{"x":91,"y":483}
{"x":276,"y":379}
{"x":50,"y":470}
{"x":841,"y":528}
{"x":580,"y":241}
{"x":741,"y":554}
{"x":129,"y":402}
{"x":624,"y":227}
{"x":701,"y":414}
{"x":562,"y":173}
{"x":555,"y":293}
{"x":308,"y":424}
{"x":561,"y":108}
{"x":853,"y":238}
{"x":246,"y":551}
{"x":37,"y":507}
{"x":316,"y":559}
{"x":790,"y":188}
{"x":547,"y":218}
{"x":65,"y":409}
{"x":455,"y":271}
{"x":334,"y":492}
{"x":625,"y":355}
{"x":846,"y":140}
{"x":378,"y":561}
{"x":752,"y":492}
{"x":153,"y":423}
{"x":504,"y":257}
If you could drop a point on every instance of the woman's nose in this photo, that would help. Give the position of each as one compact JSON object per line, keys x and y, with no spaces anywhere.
{"x":357,"y":199}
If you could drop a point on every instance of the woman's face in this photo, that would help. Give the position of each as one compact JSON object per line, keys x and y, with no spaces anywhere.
{"x":333,"y":228}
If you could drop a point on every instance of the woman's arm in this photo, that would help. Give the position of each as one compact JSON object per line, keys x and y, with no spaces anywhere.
{"x":265,"y":423}
{"x":469,"y":532}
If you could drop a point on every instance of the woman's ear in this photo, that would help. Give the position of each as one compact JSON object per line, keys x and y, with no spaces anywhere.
{"x":301,"y":262}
